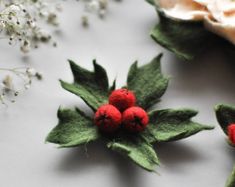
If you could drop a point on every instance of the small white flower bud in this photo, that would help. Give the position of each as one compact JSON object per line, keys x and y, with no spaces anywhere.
{"x":14,"y":8}
{"x":31,"y":72}
{"x":7,"y":82}
{"x":102,"y":13}
{"x":93,"y":5}
{"x":85,"y":21}
{"x":103,"y":4}
{"x":27,"y":86}
{"x":25,"y":47}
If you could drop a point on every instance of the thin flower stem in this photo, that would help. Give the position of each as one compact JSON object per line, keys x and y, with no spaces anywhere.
{"x":8,"y":91}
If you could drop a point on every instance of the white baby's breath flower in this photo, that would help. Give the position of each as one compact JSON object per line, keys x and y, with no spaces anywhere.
{"x":2,"y":25}
{"x":103,"y":4}
{"x":24,"y":77}
{"x":18,"y":20}
{"x":15,"y":8}
{"x":98,"y":7}
{"x":31,"y":72}
{"x":25,"y":47}
{"x":7,"y":82}
{"x":85,"y":21}
{"x":102,"y":13}
{"x":93,"y":5}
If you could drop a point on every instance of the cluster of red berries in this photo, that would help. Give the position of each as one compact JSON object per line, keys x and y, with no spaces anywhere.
{"x":121,"y":112}
{"x":231,"y":133}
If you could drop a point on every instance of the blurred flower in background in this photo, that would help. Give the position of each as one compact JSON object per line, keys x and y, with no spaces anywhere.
{"x":24,"y":23}
{"x":20,"y":21}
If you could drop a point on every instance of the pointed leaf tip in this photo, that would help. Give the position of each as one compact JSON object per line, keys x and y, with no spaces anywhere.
{"x":171,"y":125}
{"x":225,"y":115}
{"x":74,"y":129}
{"x":91,"y":86}
{"x":137,"y":150}
{"x":185,"y":39}
{"x":147,"y":82}
{"x":231,"y":180}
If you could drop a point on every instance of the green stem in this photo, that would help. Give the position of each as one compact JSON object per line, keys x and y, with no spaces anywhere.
{"x":231,"y":179}
{"x":13,"y":69}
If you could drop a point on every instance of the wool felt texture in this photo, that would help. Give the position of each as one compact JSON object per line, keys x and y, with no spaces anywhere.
{"x":137,"y":150}
{"x":74,"y":128}
{"x":226,"y":117}
{"x":92,"y":87}
{"x":122,"y":99}
{"x":135,"y":119}
{"x":148,"y":84}
{"x":186,"y":39}
{"x":108,"y":118}
{"x":231,"y":133}
{"x":172,"y":124}
{"x":231,"y":180}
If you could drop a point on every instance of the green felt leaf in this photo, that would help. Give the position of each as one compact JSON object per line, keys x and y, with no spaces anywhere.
{"x":113,"y":86}
{"x":92,"y":87}
{"x":147,"y":82}
{"x":171,"y":125}
{"x":185,"y":39}
{"x":151,"y":2}
{"x":228,"y":49}
{"x":225,"y":115}
{"x":74,"y":129}
{"x":136,"y":149}
{"x":231,"y":180}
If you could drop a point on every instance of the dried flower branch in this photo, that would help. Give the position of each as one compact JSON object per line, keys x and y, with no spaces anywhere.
{"x":22,"y":77}
{"x":19,"y":21}
{"x":98,"y":7}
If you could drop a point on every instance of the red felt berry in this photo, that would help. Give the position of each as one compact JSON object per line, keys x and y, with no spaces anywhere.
{"x":135,"y":119}
{"x":122,"y":99}
{"x":108,"y":118}
{"x":231,"y":133}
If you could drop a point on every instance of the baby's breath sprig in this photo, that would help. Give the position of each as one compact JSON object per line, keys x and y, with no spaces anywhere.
{"x":98,"y":7}
{"x":19,"y":21}
{"x":22,"y":77}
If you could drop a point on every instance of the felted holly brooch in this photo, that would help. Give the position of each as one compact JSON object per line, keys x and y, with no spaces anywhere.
{"x":190,"y":27}
{"x":123,"y":118}
{"x":226,"y":117}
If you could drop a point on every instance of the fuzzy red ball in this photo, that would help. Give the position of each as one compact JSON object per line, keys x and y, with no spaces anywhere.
{"x":108,"y":118}
{"x":122,"y":99}
{"x":231,"y":133}
{"x":135,"y":119}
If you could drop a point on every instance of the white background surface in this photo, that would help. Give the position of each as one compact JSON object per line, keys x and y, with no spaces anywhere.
{"x":203,"y":160}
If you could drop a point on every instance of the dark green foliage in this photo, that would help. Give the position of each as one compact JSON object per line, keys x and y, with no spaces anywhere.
{"x":74,"y":129}
{"x":148,"y":83}
{"x":225,"y":115}
{"x":136,"y":149}
{"x":171,"y":125}
{"x":185,"y":39}
{"x":231,"y":180}
{"x":92,"y":87}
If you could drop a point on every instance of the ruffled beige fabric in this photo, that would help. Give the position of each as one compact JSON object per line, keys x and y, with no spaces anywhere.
{"x":218,"y":15}
{"x":223,"y":19}
{"x":183,"y":9}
